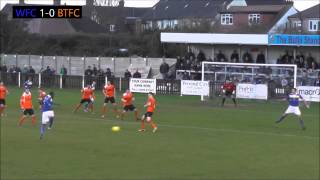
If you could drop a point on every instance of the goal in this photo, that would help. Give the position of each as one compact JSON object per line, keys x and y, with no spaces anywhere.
{"x":278,"y":78}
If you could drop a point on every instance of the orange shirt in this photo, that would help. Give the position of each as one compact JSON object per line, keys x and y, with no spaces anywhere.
{"x":128,"y":99}
{"x":152,"y":104}
{"x":42,"y":94}
{"x":26,"y":101}
{"x":3,"y":92}
{"x":109,"y":90}
{"x":86,"y":93}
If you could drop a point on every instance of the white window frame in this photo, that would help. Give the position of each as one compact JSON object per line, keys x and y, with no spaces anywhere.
{"x":297,"y":24}
{"x":227,"y":19}
{"x":314,"y":25}
{"x":254,"y":19}
{"x":112,"y":27}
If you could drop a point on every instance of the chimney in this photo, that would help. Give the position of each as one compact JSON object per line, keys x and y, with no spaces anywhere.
{"x":21,"y":2}
{"x":57,"y":2}
{"x":121,"y":3}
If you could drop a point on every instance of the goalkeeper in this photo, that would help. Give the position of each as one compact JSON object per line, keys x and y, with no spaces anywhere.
{"x":229,"y":90}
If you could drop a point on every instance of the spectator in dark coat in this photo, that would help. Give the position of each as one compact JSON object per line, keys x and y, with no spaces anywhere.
{"x":164,"y":69}
{"x":261,"y":59}
{"x":201,"y":56}
{"x":185,"y":76}
{"x":234,"y":57}
{"x":310,"y":59}
{"x":108,"y":73}
{"x":137,"y":74}
{"x":127,"y":74}
{"x":88,"y":71}
{"x":221,"y":57}
{"x":247,"y":58}
{"x":95,"y":70}
{"x":317,"y":81}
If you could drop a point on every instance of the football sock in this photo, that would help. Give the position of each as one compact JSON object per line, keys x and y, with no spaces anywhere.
{"x":42,"y":129}
{"x":136,"y":115}
{"x":281,"y":118}
{"x":234,"y":101}
{"x":301,"y":123}
{"x":33,"y":120}
{"x":223,"y":100}
{"x":142,"y":124}
{"x":50,"y":122}
{"x":153,"y":125}
{"x":21,"y":120}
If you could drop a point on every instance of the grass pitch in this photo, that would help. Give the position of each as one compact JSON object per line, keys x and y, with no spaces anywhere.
{"x":195,"y":140}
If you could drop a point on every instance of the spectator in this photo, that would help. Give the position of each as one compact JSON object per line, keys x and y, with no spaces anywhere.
{"x":108,"y":73}
{"x":63,"y":73}
{"x":234,"y":57}
{"x":88,"y":72}
{"x":200,"y":57}
{"x":31,"y":70}
{"x":286,"y":58}
{"x":317,"y":81}
{"x":310,"y":59}
{"x":164,"y":69}
{"x":95,"y":70}
{"x":261,"y":58}
{"x":187,"y":65}
{"x":185,"y":76}
{"x":304,"y":79}
{"x":127,"y":74}
{"x":300,"y":62}
{"x":300,"y":55}
{"x":221,"y":57}
{"x":247,"y":58}
{"x":25,"y":69}
{"x":137,"y":74}
{"x":314,"y":66}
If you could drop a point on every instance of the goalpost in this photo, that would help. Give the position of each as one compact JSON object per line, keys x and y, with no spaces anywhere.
{"x":281,"y":76}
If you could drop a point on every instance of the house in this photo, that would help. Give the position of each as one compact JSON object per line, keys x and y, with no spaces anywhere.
{"x":181,"y":14}
{"x":258,"y":19}
{"x":305,"y":22}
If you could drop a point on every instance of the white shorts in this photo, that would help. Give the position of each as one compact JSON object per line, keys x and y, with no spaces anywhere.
{"x":46,"y":116}
{"x":293,"y":110}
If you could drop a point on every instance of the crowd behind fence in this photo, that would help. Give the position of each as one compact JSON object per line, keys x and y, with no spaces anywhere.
{"x":163,"y":86}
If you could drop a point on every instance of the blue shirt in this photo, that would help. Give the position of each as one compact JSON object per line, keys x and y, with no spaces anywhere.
{"x":47,"y":104}
{"x":28,"y":84}
{"x":294,"y":99}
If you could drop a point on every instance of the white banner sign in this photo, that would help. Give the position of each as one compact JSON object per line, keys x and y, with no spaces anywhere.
{"x":310,"y":93}
{"x":252,"y":91}
{"x":200,"y":88}
{"x":143,"y":85}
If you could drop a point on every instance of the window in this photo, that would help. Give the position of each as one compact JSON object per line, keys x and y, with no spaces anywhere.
{"x":314,"y":25}
{"x":296,"y":24}
{"x":254,"y":18}
{"x":226,"y":19}
{"x":112,"y":27}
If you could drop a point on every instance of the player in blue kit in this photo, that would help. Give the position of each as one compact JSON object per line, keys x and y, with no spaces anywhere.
{"x":294,"y":99}
{"x":47,"y":113}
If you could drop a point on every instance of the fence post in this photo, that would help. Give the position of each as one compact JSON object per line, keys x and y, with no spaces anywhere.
{"x":83,"y":81}
{"x":56,"y":63}
{"x":39,"y":80}
{"x":120,"y":84}
{"x":16,"y":57}
{"x":84,"y":64}
{"x":114,"y":64}
{"x":29,"y":60}
{"x":19,"y":79}
{"x":60,"y":81}
{"x":69,"y":64}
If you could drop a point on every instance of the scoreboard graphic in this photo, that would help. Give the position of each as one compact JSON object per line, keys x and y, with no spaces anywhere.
{"x":47,"y":11}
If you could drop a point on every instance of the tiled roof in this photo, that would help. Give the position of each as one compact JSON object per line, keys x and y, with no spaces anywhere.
{"x":266,"y":2}
{"x":313,"y":12}
{"x":179,"y":9}
{"x":255,"y":8}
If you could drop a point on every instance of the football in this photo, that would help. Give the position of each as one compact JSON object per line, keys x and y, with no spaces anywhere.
{"x":115,"y":129}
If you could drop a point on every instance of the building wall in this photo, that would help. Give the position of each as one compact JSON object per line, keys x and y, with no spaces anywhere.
{"x":305,"y":25}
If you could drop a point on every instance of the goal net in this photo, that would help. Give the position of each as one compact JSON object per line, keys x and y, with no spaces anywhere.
{"x":275,"y":79}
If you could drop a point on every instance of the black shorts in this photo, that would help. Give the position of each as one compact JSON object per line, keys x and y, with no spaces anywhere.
{"x":109,"y":99}
{"x":2,"y":102}
{"x":40,"y":102}
{"x":85,"y":100}
{"x":28,"y":112}
{"x":148,"y":114}
{"x":129,"y":108}
{"x":228,"y":93}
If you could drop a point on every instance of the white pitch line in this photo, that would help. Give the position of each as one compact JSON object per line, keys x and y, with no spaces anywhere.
{"x":208,"y":129}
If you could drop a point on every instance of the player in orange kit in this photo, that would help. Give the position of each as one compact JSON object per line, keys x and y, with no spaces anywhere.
{"x":41,"y":95}
{"x":127,"y":100}
{"x":151,"y":105}
{"x":3,"y":94}
{"x":109,"y":94}
{"x":26,"y":107}
{"x":87,"y":93}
